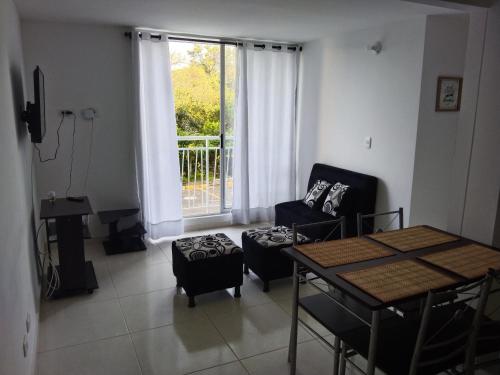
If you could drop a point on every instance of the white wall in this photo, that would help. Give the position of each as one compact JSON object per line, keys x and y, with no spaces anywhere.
{"x":361,"y":94}
{"x":86,"y":66}
{"x":465,"y":126}
{"x":19,"y":288}
{"x":444,"y":55}
{"x":484,"y":178}
{"x":308,"y":108}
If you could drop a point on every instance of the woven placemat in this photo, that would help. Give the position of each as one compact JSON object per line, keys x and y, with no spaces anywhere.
{"x":339,"y":252}
{"x":469,"y":261}
{"x":413,"y":238}
{"x":394,"y":281}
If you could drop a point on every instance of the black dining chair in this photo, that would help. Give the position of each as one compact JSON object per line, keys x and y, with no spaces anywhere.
{"x":336,"y":229}
{"x":488,"y":342}
{"x":443,"y":338}
{"x":337,"y":226}
{"x":366,"y":222}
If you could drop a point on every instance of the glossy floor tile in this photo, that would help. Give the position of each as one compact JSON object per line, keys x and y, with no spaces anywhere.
{"x":181,"y":348}
{"x":152,"y":255}
{"x":159,"y":308}
{"x":312,"y":359}
{"x":234,"y":368}
{"x":257,"y":329}
{"x":223,"y":302}
{"x":104,"y":357}
{"x":142,"y":278}
{"x":77,"y":323}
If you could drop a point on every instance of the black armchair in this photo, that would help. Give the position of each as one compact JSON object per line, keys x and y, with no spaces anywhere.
{"x":360,"y":199}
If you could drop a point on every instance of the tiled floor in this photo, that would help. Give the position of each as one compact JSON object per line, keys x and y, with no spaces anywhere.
{"x":138,"y":323}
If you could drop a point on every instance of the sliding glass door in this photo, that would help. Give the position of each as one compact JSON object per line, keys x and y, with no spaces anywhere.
{"x":203,"y":77}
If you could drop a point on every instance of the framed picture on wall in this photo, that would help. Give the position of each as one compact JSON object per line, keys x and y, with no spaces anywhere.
{"x":449,"y":93}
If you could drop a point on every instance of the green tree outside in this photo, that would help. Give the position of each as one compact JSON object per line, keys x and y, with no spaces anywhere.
{"x":196,"y":78}
{"x":196,"y":84}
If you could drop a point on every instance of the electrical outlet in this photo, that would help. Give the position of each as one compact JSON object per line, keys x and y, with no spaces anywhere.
{"x":66,"y":112}
{"x":368,"y":142}
{"x":28,"y":322}
{"x":25,"y":345}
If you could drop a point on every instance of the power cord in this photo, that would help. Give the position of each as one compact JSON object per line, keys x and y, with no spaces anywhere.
{"x":55,"y":282}
{"x":58,"y":143}
{"x":91,"y":145}
{"x":72,"y":157}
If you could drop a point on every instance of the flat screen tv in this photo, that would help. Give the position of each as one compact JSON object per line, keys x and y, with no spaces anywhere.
{"x":34,"y":114}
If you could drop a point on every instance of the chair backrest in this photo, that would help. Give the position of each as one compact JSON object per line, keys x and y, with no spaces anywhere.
{"x":365,"y":222}
{"x":449,"y":328}
{"x":488,"y":341}
{"x":337,"y":224}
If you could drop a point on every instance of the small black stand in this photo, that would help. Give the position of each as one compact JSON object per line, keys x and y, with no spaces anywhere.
{"x":76,"y":274}
{"x":124,"y":241}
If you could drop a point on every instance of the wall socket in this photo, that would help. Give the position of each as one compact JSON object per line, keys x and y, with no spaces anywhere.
{"x":368,"y":142}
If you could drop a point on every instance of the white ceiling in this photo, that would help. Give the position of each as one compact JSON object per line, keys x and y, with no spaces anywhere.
{"x":285,"y":20}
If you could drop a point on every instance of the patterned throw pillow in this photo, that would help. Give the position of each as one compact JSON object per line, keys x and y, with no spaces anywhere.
{"x":318,"y":190}
{"x":334,"y":198}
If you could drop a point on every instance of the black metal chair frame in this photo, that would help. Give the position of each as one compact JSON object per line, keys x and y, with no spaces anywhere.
{"x":362,"y":217}
{"x":491,"y":335}
{"x":424,"y":343}
{"x":338,"y":224}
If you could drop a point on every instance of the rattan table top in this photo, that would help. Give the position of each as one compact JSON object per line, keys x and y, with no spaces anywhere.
{"x":398,"y":280}
{"x":469,"y":261}
{"x":413,"y":238}
{"x":346,"y":251}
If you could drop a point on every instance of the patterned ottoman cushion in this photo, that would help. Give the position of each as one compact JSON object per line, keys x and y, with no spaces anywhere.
{"x":203,"y":247}
{"x":275,"y":236}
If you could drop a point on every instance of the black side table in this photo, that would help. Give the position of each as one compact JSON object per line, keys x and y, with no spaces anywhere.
{"x":126,"y":240}
{"x":76,"y":274}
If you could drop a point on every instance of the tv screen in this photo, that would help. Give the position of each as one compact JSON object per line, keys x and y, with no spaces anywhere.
{"x":35,"y":112}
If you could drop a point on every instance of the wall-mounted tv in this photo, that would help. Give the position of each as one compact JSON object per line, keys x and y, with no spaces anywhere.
{"x":34,"y":114}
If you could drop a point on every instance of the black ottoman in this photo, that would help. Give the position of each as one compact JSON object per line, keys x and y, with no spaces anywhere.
{"x":207,"y":263}
{"x":261,"y":249}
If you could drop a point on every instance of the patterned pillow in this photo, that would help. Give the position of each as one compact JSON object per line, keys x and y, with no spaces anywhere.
{"x":334,"y":198}
{"x":318,"y":190}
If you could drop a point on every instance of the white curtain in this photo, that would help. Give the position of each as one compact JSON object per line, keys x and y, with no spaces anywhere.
{"x":264,"y":149}
{"x":156,"y":152}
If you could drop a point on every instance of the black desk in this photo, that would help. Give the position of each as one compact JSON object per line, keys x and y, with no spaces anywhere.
{"x":76,"y":274}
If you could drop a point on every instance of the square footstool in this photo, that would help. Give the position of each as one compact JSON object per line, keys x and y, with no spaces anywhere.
{"x":205,"y":264}
{"x":261,"y":249}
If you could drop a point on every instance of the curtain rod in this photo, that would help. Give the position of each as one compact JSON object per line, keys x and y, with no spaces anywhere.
{"x":262,"y":45}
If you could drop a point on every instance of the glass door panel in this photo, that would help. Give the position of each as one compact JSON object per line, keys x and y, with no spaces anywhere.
{"x":228,"y":104}
{"x":196,"y":79}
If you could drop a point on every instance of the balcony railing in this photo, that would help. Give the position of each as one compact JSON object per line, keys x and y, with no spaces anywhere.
{"x":200,"y":167}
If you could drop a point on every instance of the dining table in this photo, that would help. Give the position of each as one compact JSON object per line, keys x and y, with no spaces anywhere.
{"x":380,"y":272}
